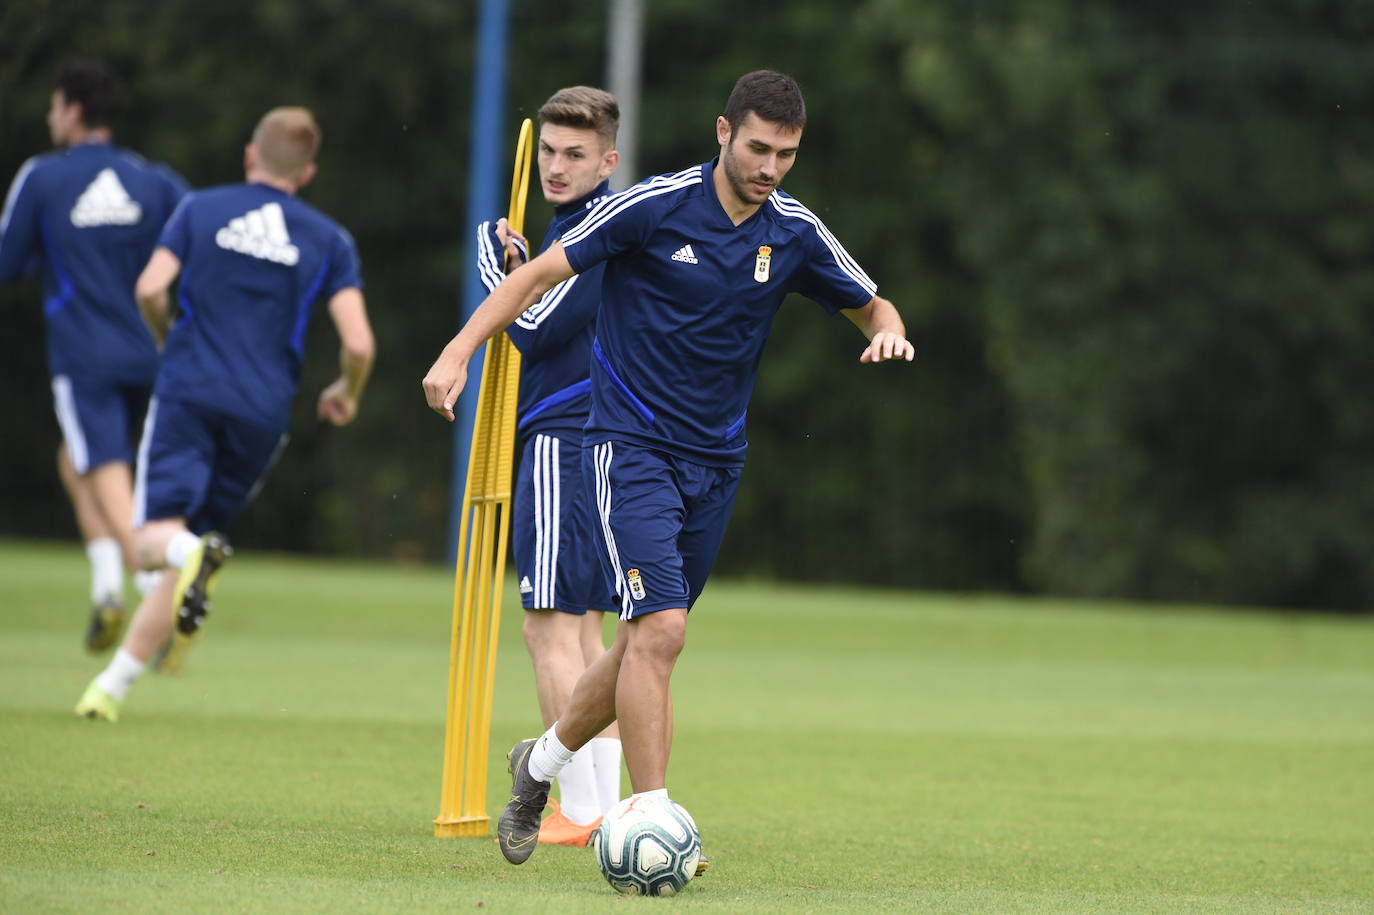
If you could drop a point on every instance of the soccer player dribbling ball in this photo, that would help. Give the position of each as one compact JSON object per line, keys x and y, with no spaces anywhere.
{"x":697,"y":264}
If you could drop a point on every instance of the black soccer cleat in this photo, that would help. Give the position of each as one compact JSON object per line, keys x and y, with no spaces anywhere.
{"x":517,"y":831}
{"x":107,"y":622}
{"x":191,"y":599}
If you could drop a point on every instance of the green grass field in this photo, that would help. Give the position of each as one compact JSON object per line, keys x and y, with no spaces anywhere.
{"x":842,"y":751}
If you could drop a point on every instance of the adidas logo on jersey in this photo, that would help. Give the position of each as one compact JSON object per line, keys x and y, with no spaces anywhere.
{"x":685,"y":255}
{"x":105,"y":203}
{"x":260,"y":233}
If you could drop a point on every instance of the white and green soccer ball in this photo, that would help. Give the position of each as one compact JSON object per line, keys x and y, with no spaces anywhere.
{"x":647,"y":847}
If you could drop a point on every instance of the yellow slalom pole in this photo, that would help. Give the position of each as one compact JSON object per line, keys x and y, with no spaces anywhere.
{"x":482,"y":541}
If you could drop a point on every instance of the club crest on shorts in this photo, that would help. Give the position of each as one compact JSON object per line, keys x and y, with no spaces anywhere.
{"x":636,"y":584}
{"x":761,"y":263}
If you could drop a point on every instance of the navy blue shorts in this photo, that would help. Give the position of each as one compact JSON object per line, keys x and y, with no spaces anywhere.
{"x":662,"y":520}
{"x":99,"y":419}
{"x":554,"y":531}
{"x":200,"y":465}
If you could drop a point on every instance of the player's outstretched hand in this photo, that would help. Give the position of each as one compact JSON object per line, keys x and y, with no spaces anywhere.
{"x":336,"y":406}
{"x":444,"y":382}
{"x":886,"y":346}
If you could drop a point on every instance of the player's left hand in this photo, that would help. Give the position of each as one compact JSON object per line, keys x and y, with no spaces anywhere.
{"x":444,"y":382}
{"x":336,"y":406}
{"x":517,"y":247}
{"x":886,"y":346}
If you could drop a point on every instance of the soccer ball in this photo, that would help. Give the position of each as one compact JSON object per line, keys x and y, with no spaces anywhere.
{"x":647,"y":847}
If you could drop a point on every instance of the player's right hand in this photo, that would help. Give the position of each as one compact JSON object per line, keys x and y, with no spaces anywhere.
{"x":335,"y":405}
{"x":444,"y":381}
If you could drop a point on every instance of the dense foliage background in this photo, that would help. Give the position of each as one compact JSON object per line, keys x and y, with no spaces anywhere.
{"x":1131,"y":242}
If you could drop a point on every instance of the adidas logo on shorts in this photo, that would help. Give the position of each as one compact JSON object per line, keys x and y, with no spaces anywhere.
{"x":105,"y":203}
{"x":260,"y":233}
{"x":685,"y":254}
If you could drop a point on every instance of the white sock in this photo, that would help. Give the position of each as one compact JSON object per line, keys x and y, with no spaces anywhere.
{"x":146,"y":580}
{"x":180,"y":548}
{"x":107,"y":569}
{"x":577,"y":788}
{"x":606,"y":759}
{"x":549,"y":756}
{"x":120,"y":675}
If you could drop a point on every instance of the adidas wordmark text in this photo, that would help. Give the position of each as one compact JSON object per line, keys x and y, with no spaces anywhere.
{"x":260,"y":233}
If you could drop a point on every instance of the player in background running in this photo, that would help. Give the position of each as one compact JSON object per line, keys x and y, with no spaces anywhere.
{"x":86,"y":216}
{"x":254,"y":261}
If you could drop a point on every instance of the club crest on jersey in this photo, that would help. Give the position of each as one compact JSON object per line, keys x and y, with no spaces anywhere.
{"x":636,"y":584}
{"x":761,"y":263}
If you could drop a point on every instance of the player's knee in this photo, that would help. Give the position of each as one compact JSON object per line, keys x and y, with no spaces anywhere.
{"x":149,"y":549}
{"x":547,"y":633}
{"x":150,"y":543}
{"x":660,"y":635}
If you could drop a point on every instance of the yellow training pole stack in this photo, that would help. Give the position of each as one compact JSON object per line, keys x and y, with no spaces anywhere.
{"x":482,"y":540}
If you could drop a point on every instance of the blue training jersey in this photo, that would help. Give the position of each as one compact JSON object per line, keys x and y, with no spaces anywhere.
{"x":554,"y":335}
{"x":687,"y":301}
{"x":89,"y":217}
{"x":254,"y":262}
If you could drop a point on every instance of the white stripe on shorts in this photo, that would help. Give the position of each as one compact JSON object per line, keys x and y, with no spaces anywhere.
{"x":65,"y":405}
{"x":547,"y":518}
{"x":602,"y":455}
{"x":271,"y":462}
{"x":141,"y":471}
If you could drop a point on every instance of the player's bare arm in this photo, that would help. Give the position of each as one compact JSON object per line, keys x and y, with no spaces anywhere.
{"x":338,"y":402}
{"x":445,"y":379}
{"x":151,"y":291}
{"x":882,"y":325}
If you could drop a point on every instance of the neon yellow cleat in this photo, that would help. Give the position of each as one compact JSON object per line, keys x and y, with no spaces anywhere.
{"x":98,"y":705}
{"x":171,"y":657}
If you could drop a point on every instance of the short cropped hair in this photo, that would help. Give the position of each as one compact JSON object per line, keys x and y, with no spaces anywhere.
{"x":584,"y":108}
{"x":96,"y":88}
{"x":771,"y":95}
{"x":287,"y":140}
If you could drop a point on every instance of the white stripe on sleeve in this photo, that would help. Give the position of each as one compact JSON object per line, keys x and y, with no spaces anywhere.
{"x":847,"y":264}
{"x":616,"y":204}
{"x":13,"y":195}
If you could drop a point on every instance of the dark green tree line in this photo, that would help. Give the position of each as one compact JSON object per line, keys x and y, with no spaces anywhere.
{"x":1128,"y":241}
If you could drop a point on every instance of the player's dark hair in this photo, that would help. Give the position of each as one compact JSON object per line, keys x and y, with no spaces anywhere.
{"x":773,"y":96}
{"x":583,"y":108}
{"x":96,"y":88}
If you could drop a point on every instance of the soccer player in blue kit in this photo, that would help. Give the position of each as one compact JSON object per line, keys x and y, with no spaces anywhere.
{"x":254,"y":261}
{"x":697,"y":264}
{"x":89,"y":213}
{"x":553,"y":517}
